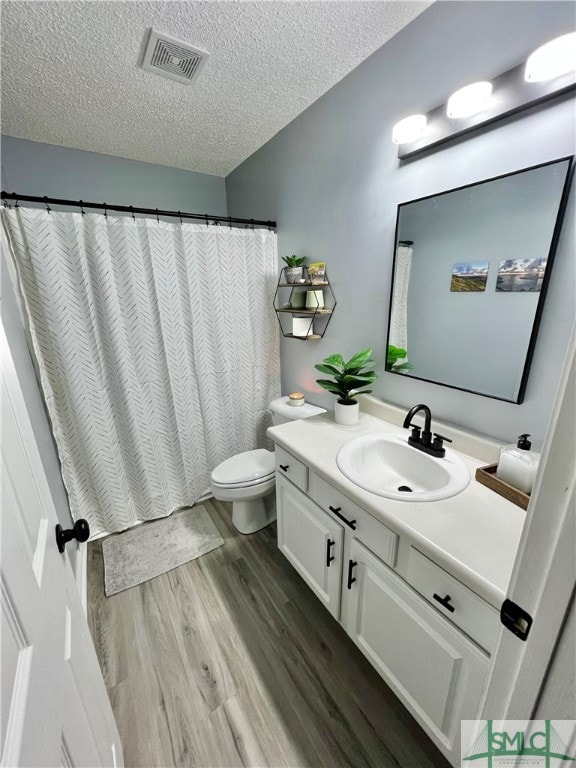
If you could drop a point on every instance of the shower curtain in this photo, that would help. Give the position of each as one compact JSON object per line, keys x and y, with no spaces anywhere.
{"x":399,"y":316}
{"x":157,"y":348}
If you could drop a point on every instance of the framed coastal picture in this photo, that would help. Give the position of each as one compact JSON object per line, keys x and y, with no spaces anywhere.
{"x":523,"y":275}
{"x":469,"y":276}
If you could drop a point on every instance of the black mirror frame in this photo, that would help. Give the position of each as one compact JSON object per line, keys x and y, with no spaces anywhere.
{"x":539,"y":307}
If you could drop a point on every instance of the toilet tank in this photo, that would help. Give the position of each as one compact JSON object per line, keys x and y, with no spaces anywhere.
{"x":282,"y":412}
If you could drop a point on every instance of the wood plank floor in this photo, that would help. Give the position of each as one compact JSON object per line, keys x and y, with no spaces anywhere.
{"x":230,"y":660}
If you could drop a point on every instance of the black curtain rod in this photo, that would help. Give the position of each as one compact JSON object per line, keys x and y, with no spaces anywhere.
{"x":131,"y":209}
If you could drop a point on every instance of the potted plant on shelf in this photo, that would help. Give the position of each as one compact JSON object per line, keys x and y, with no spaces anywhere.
{"x":348,"y":380}
{"x":294,"y":270}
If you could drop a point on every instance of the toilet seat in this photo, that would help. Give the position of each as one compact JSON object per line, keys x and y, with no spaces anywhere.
{"x":248,"y":484}
{"x":249,"y":468}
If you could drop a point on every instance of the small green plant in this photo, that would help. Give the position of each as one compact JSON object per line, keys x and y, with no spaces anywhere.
{"x":294,"y":261}
{"x":348,"y":378}
{"x":395,"y":354}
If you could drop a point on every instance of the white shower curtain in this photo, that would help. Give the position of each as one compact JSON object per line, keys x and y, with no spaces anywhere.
{"x":399,"y":316}
{"x":157,"y":346}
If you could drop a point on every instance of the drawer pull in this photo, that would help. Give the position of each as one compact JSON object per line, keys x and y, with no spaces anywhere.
{"x":351,"y":579}
{"x":284,"y":467}
{"x":329,"y":556}
{"x":445,"y":601}
{"x":349,"y":523}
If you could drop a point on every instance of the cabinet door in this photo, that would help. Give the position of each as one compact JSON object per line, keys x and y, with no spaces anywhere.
{"x":436,"y":672}
{"x":311,"y":541}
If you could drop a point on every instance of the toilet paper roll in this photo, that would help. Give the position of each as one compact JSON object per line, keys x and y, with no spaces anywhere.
{"x":302,"y":326}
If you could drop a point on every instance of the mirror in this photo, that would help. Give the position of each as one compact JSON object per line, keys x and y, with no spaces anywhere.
{"x":471,"y":267}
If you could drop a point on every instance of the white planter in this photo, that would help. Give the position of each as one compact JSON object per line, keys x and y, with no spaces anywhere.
{"x":346,"y":414}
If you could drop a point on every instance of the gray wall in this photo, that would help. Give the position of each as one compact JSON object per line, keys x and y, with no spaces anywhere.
{"x":42,"y":169}
{"x":32,"y":168}
{"x":332,"y":180}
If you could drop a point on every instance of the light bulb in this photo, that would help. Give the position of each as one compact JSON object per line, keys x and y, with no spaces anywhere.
{"x":469,"y":100}
{"x":410,"y":129}
{"x":552,"y":59}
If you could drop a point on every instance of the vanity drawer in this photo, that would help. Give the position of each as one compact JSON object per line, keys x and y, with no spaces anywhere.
{"x":373,"y":534}
{"x":292,"y":468}
{"x":471,"y":613}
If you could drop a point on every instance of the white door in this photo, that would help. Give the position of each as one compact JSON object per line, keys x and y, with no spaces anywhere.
{"x":311,"y":541}
{"x":544,"y":576}
{"x":55,"y":709}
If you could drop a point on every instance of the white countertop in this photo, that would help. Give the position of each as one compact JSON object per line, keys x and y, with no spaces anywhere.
{"x":473,"y":535}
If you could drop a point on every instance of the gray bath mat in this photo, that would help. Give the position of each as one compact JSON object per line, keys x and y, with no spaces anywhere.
{"x":140,"y":554}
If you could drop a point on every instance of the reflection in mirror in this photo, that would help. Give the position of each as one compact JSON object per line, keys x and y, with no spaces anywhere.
{"x":471,"y":267}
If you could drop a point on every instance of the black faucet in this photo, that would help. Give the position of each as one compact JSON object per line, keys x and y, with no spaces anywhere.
{"x":423,"y":439}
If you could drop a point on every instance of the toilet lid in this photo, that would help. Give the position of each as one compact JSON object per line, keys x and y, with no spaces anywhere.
{"x":245,"y":467}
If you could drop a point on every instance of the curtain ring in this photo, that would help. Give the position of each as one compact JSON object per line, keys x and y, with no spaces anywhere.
{"x":206,"y":216}
{"x":105,"y":212}
{"x":251,"y":223}
{"x":132,"y":211}
{"x":45,"y":203}
{"x":82,"y":207}
{"x":180,"y":217}
{"x":157,"y":219}
{"x":230,"y":222}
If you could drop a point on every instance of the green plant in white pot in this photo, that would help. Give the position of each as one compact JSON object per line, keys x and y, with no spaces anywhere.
{"x":348,"y":380}
{"x":294,"y":269}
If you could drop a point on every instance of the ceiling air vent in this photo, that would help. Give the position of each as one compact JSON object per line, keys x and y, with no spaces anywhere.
{"x":172,"y":58}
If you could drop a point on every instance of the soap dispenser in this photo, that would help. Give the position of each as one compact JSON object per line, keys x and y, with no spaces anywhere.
{"x":518,"y":464}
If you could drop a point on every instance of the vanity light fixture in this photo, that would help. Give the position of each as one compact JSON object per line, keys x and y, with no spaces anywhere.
{"x":548,"y":72}
{"x":469,"y":100}
{"x":411,"y":128}
{"x":551,"y":60}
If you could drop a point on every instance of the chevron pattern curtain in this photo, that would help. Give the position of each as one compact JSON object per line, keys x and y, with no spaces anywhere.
{"x":399,"y":314}
{"x":158,"y":353}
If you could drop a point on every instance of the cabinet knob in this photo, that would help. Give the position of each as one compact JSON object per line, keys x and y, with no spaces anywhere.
{"x":351,"y":579}
{"x":284,"y":467}
{"x":444,"y":601}
{"x":329,"y":556}
{"x":349,"y":523}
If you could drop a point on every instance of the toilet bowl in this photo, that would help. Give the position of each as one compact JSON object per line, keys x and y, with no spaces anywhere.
{"x":248,"y":479}
{"x":245,"y":480}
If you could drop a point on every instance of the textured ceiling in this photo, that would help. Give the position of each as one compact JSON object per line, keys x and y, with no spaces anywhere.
{"x":69,"y":74}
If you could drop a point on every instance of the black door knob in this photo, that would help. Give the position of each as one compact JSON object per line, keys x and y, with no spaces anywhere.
{"x":80,"y":532}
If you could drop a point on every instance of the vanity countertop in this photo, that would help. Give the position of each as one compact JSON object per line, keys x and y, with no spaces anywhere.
{"x":474,"y":535}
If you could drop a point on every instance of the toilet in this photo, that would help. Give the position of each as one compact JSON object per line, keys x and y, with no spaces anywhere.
{"x":247,"y":479}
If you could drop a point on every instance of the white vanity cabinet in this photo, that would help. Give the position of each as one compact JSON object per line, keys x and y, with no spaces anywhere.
{"x":433,"y":668}
{"x":312,"y":542}
{"x":348,"y":558}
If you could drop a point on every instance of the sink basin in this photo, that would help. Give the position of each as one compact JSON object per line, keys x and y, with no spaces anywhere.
{"x":388,"y":466}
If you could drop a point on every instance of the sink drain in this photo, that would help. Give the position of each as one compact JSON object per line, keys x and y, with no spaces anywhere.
{"x":405,"y":488}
